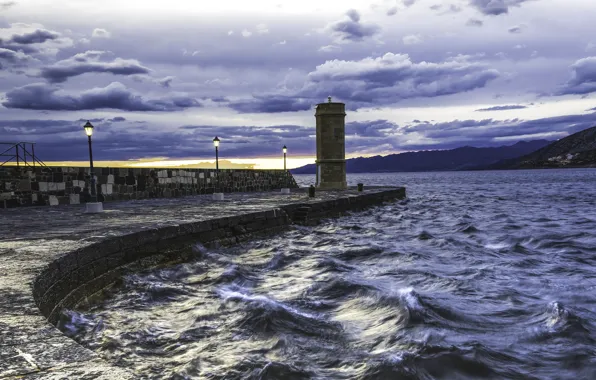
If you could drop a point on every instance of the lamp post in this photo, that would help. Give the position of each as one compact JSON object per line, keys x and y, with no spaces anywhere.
{"x":285,"y":190}
{"x":94,"y":206}
{"x":216,"y":195}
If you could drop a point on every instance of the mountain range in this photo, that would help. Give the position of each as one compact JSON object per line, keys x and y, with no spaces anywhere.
{"x":576,"y":150}
{"x":463,"y":158}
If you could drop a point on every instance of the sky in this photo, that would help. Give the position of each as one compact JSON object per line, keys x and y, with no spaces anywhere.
{"x":159,"y":80}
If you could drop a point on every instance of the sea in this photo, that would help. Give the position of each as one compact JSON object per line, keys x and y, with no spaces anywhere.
{"x":476,"y":275}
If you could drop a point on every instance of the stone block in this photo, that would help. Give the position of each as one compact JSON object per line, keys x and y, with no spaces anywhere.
{"x":75,"y":199}
{"x":110,"y":179}
{"x":25,"y":185}
{"x":201,"y":175}
{"x":53,"y":200}
{"x":52,"y":186}
{"x":60,"y":186}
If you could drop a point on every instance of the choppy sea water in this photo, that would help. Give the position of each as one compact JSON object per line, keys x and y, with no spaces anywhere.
{"x":477,"y":275}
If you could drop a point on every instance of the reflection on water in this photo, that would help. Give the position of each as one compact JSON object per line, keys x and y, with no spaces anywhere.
{"x":475,"y":275}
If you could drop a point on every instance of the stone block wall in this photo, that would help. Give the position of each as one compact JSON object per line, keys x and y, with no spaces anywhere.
{"x":70,"y":185}
{"x":77,"y":274}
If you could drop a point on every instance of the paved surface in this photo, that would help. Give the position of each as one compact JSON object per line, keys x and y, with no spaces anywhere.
{"x":30,"y":238}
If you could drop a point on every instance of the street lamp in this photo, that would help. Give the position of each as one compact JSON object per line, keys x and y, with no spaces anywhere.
{"x":217,"y":196}
{"x":285,"y":149}
{"x":94,"y":206}
{"x":285,"y":190}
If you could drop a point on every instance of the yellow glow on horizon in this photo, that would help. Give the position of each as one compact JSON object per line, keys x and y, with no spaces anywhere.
{"x":161,"y":162}
{"x":234,"y":163}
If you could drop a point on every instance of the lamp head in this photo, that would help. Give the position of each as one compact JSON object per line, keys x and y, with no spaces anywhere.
{"x":88,"y":128}
{"x":285,"y":149}
{"x":216,"y":142}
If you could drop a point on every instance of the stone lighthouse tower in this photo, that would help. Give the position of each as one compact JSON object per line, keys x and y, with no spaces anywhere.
{"x":331,"y":145}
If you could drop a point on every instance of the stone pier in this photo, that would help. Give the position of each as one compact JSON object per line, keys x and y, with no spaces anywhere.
{"x":51,"y":258}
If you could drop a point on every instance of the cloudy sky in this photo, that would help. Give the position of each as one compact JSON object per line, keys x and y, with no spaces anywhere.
{"x":162,"y":78}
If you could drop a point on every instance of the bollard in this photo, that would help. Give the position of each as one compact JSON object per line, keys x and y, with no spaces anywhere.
{"x":311,"y":191}
{"x":360,"y":187}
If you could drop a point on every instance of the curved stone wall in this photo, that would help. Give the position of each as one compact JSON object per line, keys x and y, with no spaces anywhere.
{"x":80,"y":273}
{"x":65,"y":256}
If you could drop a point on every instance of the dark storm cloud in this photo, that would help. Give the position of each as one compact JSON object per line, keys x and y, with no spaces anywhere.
{"x":516,"y":29}
{"x":394,"y":77}
{"x":458,"y":132}
{"x":39,"y":36}
{"x":12,"y":56}
{"x":123,"y":143}
{"x":10,"y":128}
{"x":453,"y":134}
{"x":495,"y":7}
{"x":352,"y":29}
{"x":117,"y":119}
{"x":502,"y":108}
{"x":377,"y":81}
{"x":583,"y":78}
{"x":183,"y":142}
{"x":28,"y":41}
{"x":377,"y":128}
{"x":17,"y":47}
{"x":219,"y":99}
{"x":40,"y":96}
{"x":88,"y":63}
{"x":474,"y":22}
{"x":271,"y":104}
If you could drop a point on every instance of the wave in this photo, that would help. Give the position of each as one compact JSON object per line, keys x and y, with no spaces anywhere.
{"x":329,"y":264}
{"x":267,"y":316}
{"x":237,"y":274}
{"x":357,"y":253}
{"x":152,"y":290}
{"x":559,"y":322}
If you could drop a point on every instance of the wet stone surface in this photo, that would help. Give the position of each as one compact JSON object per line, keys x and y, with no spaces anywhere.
{"x":31,"y":238}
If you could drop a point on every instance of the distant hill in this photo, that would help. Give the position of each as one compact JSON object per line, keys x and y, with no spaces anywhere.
{"x":463,"y":158}
{"x":576,"y":150}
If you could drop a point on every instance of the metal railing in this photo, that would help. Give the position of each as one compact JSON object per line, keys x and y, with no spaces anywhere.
{"x":20,"y":154}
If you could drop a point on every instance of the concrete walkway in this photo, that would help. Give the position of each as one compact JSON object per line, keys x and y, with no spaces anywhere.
{"x":31,"y":238}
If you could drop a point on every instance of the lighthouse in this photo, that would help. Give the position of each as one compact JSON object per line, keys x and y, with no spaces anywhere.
{"x":331,"y":145}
